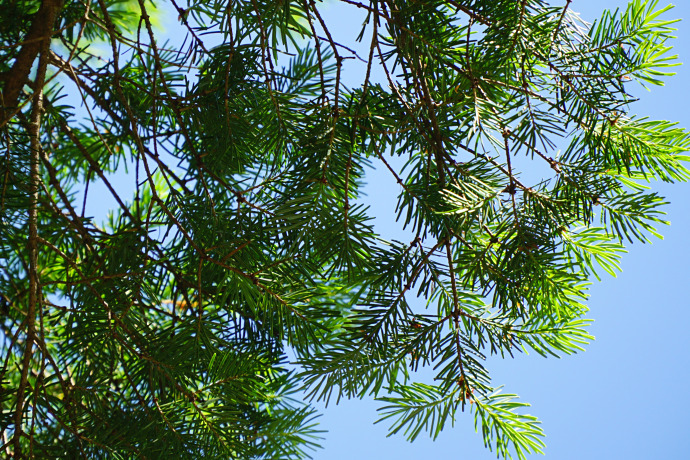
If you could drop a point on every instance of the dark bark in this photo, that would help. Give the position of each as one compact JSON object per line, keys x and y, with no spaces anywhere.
{"x":40,"y":32}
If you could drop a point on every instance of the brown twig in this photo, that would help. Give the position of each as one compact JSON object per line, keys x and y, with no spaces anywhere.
{"x":47,"y":13}
{"x":37,"y":39}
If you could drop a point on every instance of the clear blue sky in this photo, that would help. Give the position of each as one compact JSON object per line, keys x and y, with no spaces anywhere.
{"x":625,"y":397}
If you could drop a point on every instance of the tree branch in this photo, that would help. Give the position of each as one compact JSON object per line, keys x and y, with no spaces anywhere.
{"x":34,"y":183}
{"x":37,"y":38}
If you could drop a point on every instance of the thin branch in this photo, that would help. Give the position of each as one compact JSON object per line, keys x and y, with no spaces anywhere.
{"x":34,"y":185}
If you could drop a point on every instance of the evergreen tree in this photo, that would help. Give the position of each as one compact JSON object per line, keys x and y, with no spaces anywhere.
{"x":242,"y":271}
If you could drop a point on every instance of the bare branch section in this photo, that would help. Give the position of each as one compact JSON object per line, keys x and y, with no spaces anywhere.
{"x":40,"y":33}
{"x":42,"y":27}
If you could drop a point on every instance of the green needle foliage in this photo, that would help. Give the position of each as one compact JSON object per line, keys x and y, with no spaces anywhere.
{"x":239,"y":270}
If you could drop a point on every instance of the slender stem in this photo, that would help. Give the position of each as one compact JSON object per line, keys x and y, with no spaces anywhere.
{"x":34,"y":287}
{"x":560,"y":22}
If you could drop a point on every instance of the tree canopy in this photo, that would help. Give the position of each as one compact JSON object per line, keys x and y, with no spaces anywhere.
{"x":242,"y":277}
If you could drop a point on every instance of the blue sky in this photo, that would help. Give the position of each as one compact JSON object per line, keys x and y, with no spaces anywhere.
{"x":624,"y":398}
